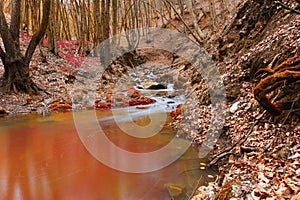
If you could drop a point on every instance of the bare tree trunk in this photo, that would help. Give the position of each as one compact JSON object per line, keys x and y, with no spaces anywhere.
{"x":84,"y":23}
{"x":74,"y":12}
{"x":88,"y":21}
{"x":114,"y":23}
{"x":81,"y":25}
{"x":52,"y":31}
{"x":24,"y":17}
{"x":105,"y":54}
{"x":102,"y":21}
{"x":195,"y":21}
{"x":97,"y":19}
{"x":16,"y":66}
{"x":114,"y":16}
{"x":65,"y":23}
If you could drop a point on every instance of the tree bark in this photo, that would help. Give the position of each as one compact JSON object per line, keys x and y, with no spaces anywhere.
{"x":16,"y":66}
{"x":15,"y":21}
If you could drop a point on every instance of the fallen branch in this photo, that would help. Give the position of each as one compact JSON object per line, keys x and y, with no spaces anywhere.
{"x":249,"y":149}
{"x":221,"y":155}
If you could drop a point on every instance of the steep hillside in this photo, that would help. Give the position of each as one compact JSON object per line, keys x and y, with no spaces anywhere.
{"x":258,"y":57}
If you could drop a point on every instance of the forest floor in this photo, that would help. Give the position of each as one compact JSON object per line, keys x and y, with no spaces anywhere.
{"x":258,"y":155}
{"x":51,"y":73}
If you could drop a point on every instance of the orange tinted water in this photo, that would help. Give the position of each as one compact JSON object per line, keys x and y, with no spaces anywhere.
{"x":43,"y":158}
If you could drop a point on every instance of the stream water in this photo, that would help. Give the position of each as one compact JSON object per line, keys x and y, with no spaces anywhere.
{"x":44,"y":158}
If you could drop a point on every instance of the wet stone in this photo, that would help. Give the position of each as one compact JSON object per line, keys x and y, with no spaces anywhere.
{"x":3,"y":111}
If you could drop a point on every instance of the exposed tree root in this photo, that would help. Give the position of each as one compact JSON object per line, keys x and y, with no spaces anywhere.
{"x":17,"y":79}
{"x":28,"y":86}
{"x":287,"y":72}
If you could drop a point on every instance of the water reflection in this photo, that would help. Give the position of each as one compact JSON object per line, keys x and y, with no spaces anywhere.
{"x":20,"y":179}
{"x":43,"y":158}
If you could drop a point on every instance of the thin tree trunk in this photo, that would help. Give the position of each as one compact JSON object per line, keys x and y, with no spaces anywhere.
{"x":97,"y":19}
{"x":195,"y":21}
{"x":212,"y":14}
{"x":106,"y":51}
{"x":114,"y":16}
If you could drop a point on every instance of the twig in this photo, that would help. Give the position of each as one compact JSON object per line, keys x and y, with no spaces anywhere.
{"x":43,"y":90}
{"x":296,"y":110}
{"x":287,"y":7}
{"x":231,"y":149}
{"x":132,"y":65}
{"x":185,"y":24}
{"x":278,"y":147}
{"x":290,"y":111}
{"x":171,"y":196}
{"x":246,"y":148}
{"x":190,"y":93}
{"x":195,"y":189}
{"x":178,"y":63}
{"x":251,"y":128}
{"x":162,"y":15}
{"x":271,"y":65}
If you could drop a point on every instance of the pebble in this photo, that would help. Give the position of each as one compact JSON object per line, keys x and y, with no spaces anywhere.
{"x":234,"y":107}
{"x":210,"y":176}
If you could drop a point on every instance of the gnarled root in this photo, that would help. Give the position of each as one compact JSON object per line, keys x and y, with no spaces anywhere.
{"x":285,"y":72}
{"x":17,"y":79}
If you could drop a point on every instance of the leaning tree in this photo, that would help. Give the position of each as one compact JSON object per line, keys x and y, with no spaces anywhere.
{"x":16,"y":65}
